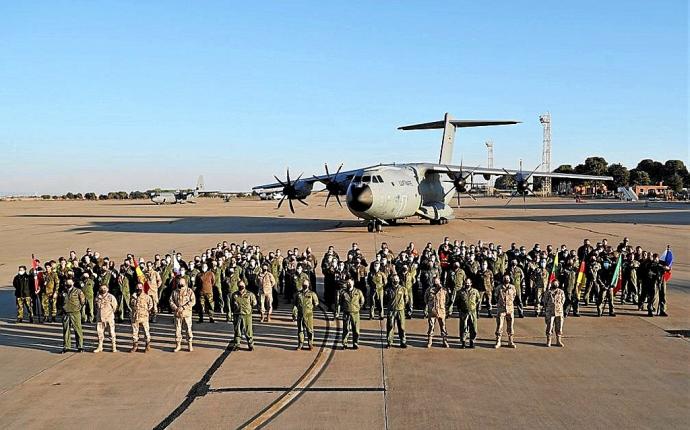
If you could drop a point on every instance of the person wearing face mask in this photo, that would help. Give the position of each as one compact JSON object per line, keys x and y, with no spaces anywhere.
{"x":455,"y":282}
{"x":218,"y":272}
{"x":485,"y":285}
{"x":124,"y":298}
{"x":298,"y":279}
{"x":505,"y":299}
{"x":469,"y":300}
{"x":267,"y":283}
{"x":518,"y":278}
{"x":87,"y":284}
{"x":554,"y":301}
{"x":350,"y":300}
{"x":72,"y":302}
{"x":182,"y":301}
{"x":435,"y":311}
{"x":540,"y":279}
{"x":303,"y":312}
{"x":233,"y":278}
{"x":605,"y":293}
{"x":23,"y":284}
{"x":242,"y":303}
{"x":155,"y":282}
{"x":377,"y":283}
{"x":106,"y":305}
{"x":206,"y":281}
{"x":141,"y":305}
{"x":49,"y":296}
{"x":399,"y":301}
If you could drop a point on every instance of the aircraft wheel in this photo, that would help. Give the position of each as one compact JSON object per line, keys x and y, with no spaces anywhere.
{"x":370,"y":227}
{"x":379,"y":227}
{"x":434,"y":222}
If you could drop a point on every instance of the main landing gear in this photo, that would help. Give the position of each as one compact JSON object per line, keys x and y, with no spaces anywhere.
{"x":440,"y":221}
{"x":375,"y":226}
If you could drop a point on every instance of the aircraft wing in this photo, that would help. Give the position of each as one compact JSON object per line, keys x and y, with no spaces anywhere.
{"x":442,"y":168}
{"x":342,"y":177}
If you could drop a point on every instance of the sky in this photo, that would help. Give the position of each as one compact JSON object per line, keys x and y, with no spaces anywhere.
{"x":130,"y":95}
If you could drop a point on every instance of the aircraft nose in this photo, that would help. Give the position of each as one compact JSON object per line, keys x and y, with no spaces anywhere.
{"x":360,"y":198}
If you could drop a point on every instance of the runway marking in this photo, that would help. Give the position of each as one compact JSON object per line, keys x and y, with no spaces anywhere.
{"x":384,"y":338}
{"x":308,"y":389}
{"x":308,"y":378}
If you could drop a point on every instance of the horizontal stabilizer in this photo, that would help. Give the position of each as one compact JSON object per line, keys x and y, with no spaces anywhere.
{"x":457,"y":123}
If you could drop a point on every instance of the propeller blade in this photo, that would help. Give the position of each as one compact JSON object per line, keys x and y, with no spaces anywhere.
{"x":338,"y":200}
{"x":298,"y":178}
{"x":280,"y":203}
{"x":524,"y":201}
{"x":279,"y":181}
{"x":327,"y":173}
{"x":303,"y":202}
{"x":292,"y":208}
{"x":458,"y":199}
{"x":288,"y":175}
{"x":533,"y":171}
{"x":328,"y":197}
{"x":339,"y":167}
{"x":449,"y":191}
{"x":507,"y":173}
{"x":472,"y":197}
{"x":510,"y":200}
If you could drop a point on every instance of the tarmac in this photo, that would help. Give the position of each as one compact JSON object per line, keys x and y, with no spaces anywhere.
{"x":630,"y":371}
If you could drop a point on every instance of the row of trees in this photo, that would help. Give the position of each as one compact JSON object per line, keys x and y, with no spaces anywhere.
{"x":672,"y":173}
{"x":116,"y":195}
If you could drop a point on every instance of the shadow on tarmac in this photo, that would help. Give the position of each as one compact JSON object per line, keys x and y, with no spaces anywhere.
{"x":654,"y":218}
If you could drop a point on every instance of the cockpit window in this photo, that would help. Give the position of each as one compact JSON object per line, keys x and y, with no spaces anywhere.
{"x":366,"y":179}
{"x":380,"y":178}
{"x":357,"y":179}
{"x":375,"y":179}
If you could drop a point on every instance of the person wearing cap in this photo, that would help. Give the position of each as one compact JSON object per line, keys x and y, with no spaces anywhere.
{"x":242,"y":303}
{"x":303,"y":312}
{"x":377,"y":282}
{"x":517,"y":276}
{"x":350,"y":300}
{"x":206,"y":280}
{"x":182,"y":301}
{"x":106,"y":305}
{"x":554,"y":301}
{"x":23,"y":284}
{"x":49,"y":293}
{"x":540,"y":280}
{"x":435,"y":311}
{"x":399,"y":300}
{"x":267,"y":282}
{"x":87,"y":284}
{"x":72,"y":303}
{"x":505,"y":299}
{"x":455,"y":283}
{"x":469,"y":300}
{"x":141,"y":305}
{"x":154,"y":281}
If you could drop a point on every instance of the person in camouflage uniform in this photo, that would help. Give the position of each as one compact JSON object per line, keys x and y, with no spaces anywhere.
{"x":106,"y":305}
{"x":399,"y":300}
{"x":72,"y":302}
{"x":242,"y":302}
{"x":232,"y":280}
{"x":303,"y":312}
{"x":630,"y":284}
{"x":517,"y":276}
{"x":182,"y":301}
{"x":456,"y":281}
{"x":468,"y":302}
{"x":408,"y":279}
{"x":505,"y":299}
{"x":540,"y":279}
{"x":87,"y":287}
{"x":23,"y":284}
{"x":569,"y":273}
{"x":49,"y":293}
{"x":554,"y":302}
{"x":435,"y":312}
{"x":377,"y":282}
{"x":124,"y":298}
{"x":350,"y":300}
{"x":486,"y":287}
{"x":155,"y":283}
{"x":141,"y":305}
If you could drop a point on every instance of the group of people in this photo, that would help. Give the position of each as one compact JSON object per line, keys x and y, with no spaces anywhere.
{"x":234,"y":280}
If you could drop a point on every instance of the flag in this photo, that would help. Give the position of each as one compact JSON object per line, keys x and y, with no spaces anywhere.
{"x":617,"y":279}
{"x":581,"y":279}
{"x":176,"y":264}
{"x":34,"y":265}
{"x":667,"y":258}
{"x":140,"y":276}
{"x":552,"y":275}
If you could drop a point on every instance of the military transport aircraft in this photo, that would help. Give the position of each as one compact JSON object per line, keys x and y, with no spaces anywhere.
{"x":384,"y":193}
{"x":186,"y":196}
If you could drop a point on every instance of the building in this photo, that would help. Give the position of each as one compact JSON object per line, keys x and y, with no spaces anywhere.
{"x":659,"y":190}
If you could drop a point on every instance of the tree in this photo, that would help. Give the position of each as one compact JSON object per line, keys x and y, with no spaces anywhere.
{"x":564,"y":168}
{"x":592,"y":166}
{"x":620,"y":174}
{"x":69,"y":196}
{"x":103,"y":197}
{"x":639,"y":177}
{"x":90,"y":196}
{"x":674,"y":182}
{"x":136,"y":195}
{"x":504,"y":182}
{"x":654,"y":168}
{"x":45,"y":197}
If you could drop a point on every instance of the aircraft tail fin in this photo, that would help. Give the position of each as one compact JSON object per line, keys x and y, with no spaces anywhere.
{"x":199,"y":185}
{"x":449,"y":125}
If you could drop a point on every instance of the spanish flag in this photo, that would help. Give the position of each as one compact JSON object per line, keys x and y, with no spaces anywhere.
{"x":581,"y":279}
{"x":617,"y":279}
{"x":140,"y":276}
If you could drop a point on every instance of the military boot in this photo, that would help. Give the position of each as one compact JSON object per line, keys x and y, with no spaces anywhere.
{"x":511,"y":344}
{"x":429,"y":341}
{"x":498,"y":342}
{"x":114,"y":344}
{"x":99,"y":348}
{"x":148,"y":347}
{"x":268,"y":318}
{"x":135,"y":346}
{"x":189,"y":345}
{"x":559,"y":341}
{"x":177,"y":347}
{"x":462,"y":344}
{"x":548,"y":341}
{"x":299,"y":346}
{"x":471,"y":343}
{"x":445,"y":343}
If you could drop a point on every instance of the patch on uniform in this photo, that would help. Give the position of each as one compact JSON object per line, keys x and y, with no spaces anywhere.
{"x":681,"y":333}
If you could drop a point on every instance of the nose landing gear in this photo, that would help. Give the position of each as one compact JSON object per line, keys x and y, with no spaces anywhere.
{"x":440,"y":221}
{"x":375,"y":226}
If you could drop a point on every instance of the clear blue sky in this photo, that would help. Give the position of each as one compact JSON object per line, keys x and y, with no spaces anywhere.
{"x":98,"y":96}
